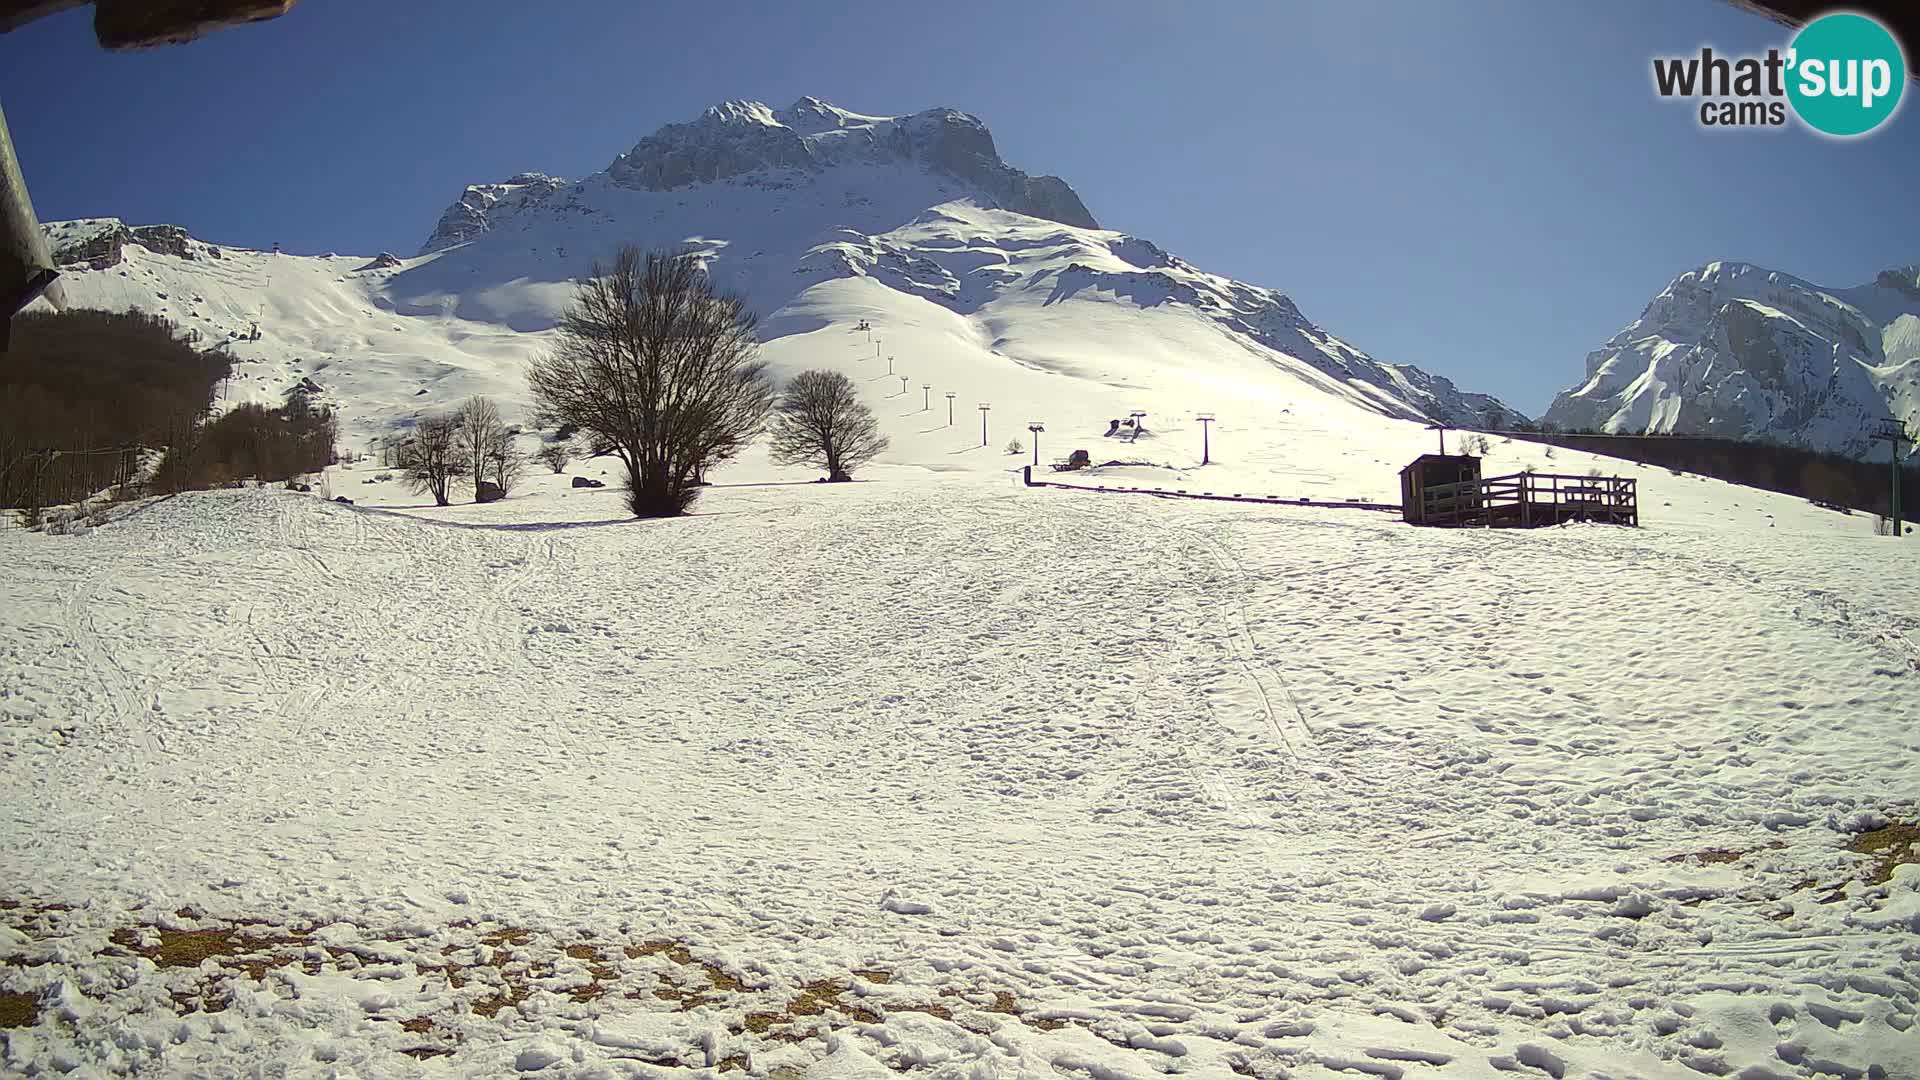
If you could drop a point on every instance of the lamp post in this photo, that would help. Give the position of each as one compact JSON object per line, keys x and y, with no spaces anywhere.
{"x":983,"y":422}
{"x":926,"y":396}
{"x":1206,"y":420}
{"x":950,"y":396}
{"x":903,"y":386}
{"x":889,"y":363}
{"x":1036,"y":427}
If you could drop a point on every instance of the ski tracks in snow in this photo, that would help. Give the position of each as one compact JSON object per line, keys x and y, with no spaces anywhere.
{"x":131,"y":712}
{"x":1164,"y":770}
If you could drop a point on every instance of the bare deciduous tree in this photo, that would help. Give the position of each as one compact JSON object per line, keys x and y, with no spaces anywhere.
{"x":432,"y":459}
{"x":657,"y":367}
{"x":480,"y":431}
{"x":505,"y":463}
{"x":821,"y":421}
{"x":555,"y":456}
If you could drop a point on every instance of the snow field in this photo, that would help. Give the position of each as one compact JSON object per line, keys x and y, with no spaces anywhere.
{"x":1198,"y":788}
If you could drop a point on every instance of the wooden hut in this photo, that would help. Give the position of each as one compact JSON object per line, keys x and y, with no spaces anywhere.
{"x":1437,"y":488}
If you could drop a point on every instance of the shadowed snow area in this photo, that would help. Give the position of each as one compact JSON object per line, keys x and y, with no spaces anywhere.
{"x":952,"y":778}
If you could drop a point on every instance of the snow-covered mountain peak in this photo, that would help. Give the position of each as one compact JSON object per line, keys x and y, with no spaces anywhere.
{"x":1736,"y":349}
{"x":811,"y":116}
{"x":750,"y":143}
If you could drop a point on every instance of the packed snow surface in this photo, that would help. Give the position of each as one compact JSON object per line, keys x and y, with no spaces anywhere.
{"x":933,"y":774}
{"x":955,"y":778}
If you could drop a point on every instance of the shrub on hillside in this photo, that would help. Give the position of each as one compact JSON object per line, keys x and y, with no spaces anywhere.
{"x":82,"y":391}
{"x":248,"y":442}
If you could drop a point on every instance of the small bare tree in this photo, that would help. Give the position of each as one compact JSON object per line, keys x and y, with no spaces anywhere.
{"x":821,"y":421}
{"x":480,"y":435}
{"x":504,"y":462}
{"x":432,"y":459}
{"x":554,"y":455}
{"x":656,"y":366}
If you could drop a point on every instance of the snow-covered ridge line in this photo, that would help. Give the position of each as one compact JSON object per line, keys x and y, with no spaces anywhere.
{"x":750,"y":142}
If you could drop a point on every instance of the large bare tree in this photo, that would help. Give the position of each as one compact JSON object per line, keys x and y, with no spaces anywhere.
{"x":656,"y":366}
{"x":432,"y":458}
{"x":486,"y":447}
{"x":821,"y":421}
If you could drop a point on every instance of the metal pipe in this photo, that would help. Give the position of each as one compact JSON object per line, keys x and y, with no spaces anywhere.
{"x":26,"y":269}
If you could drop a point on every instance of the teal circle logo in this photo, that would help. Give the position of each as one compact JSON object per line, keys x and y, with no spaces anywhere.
{"x":1845,"y":74}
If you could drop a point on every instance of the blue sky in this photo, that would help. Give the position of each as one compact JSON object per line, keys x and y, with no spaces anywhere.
{"x":1488,"y":190}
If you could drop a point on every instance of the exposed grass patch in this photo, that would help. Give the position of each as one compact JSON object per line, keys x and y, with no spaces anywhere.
{"x":511,"y":935}
{"x":18,"y":1010}
{"x":191,"y":948}
{"x":1710,"y":857}
{"x":1895,"y":845}
{"x":1722,"y":856}
{"x":509,"y":971}
{"x":932,"y":1008}
{"x":512,"y":994}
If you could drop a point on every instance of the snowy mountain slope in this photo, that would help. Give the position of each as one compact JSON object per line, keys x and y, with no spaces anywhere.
{"x":821,"y":218}
{"x":1735,"y":349}
{"x":317,"y":318}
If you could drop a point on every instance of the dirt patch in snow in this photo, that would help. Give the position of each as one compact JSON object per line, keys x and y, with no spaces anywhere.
{"x":1894,"y":844}
{"x":483,"y":970}
{"x":1722,"y":856}
{"x":18,"y":1010}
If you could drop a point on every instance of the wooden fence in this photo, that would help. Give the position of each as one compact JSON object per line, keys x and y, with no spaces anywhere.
{"x":1529,"y":500}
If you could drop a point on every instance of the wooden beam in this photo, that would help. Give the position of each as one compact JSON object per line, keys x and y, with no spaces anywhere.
{"x":139,"y":24}
{"x":17,"y":13}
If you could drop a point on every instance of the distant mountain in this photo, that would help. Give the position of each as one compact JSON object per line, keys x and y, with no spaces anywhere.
{"x":1735,"y":349}
{"x":814,"y":190}
{"x":822,"y":218}
{"x":751,"y":143}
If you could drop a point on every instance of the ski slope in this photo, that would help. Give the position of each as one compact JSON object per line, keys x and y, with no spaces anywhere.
{"x":948,"y":776}
{"x":932,"y":774}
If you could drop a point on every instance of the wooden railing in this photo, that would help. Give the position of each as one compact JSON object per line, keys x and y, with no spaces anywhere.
{"x":1529,"y":499}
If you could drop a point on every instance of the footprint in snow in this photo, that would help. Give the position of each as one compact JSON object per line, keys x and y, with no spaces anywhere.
{"x":891,"y":901}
